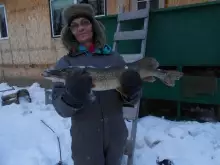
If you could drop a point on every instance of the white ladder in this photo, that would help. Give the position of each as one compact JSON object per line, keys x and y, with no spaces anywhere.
{"x":132,"y":35}
{"x":132,"y":113}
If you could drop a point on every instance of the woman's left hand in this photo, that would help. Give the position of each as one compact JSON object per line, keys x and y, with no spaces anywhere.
{"x":131,"y":82}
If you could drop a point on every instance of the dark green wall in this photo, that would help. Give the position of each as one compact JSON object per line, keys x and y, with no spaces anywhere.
{"x":183,"y":36}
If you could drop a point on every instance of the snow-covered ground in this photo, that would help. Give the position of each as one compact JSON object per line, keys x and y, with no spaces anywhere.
{"x":25,"y":140}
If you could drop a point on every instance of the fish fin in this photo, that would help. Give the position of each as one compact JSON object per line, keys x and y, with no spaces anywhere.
{"x":146,"y":63}
{"x":171,"y":77}
{"x":150,"y":79}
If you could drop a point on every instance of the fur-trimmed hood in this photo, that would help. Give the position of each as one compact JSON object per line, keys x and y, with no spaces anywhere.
{"x":68,"y":40}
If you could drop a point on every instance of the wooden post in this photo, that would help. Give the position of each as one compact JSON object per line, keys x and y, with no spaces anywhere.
{"x":133,"y":5}
{"x":161,"y":3}
{"x":120,"y":6}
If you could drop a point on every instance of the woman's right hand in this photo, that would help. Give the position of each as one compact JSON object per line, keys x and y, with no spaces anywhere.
{"x":79,"y":84}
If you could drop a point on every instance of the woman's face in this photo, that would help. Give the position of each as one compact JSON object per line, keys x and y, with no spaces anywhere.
{"x":82,"y":30}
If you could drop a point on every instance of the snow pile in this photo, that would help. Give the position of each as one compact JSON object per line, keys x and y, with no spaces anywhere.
{"x":25,"y":140}
{"x":185,"y":143}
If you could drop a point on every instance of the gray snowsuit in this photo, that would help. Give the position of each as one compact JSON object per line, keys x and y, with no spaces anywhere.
{"x":98,"y":131}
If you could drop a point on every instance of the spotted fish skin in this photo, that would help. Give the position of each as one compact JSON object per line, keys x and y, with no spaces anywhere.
{"x":108,"y":78}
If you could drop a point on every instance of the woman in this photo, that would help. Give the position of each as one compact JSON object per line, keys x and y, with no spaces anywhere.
{"x":98,"y":130}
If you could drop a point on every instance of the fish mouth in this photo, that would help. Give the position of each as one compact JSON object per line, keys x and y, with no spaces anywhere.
{"x":45,"y":73}
{"x":48,"y":73}
{"x":53,"y":74}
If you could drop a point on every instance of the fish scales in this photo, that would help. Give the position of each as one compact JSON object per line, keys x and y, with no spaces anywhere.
{"x":105,"y":79}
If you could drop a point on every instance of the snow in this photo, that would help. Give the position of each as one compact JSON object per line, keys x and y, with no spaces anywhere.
{"x":25,"y":140}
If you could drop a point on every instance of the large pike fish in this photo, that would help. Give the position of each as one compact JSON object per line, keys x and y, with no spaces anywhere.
{"x":108,"y":78}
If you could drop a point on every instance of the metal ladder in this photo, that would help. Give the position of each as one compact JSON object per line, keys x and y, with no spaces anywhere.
{"x":132,"y":35}
{"x":132,"y":113}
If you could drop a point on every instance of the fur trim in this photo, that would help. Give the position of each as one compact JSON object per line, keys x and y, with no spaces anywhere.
{"x":68,"y":40}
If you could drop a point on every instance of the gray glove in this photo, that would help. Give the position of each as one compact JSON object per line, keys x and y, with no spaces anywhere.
{"x":78,"y":88}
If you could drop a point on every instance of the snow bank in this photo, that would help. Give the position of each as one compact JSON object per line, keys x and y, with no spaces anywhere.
{"x":25,"y":140}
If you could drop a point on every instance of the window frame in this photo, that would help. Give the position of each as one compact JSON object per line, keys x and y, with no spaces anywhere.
{"x":138,"y":1}
{"x":74,"y":2}
{"x":6,"y":22}
{"x":161,"y":3}
{"x":105,"y":10}
{"x":51,"y":19}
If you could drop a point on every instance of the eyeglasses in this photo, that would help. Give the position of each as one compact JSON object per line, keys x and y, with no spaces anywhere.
{"x":84,"y":23}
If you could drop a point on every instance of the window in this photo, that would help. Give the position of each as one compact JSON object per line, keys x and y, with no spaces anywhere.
{"x":141,"y":4}
{"x":57,"y":6}
{"x":3,"y":24}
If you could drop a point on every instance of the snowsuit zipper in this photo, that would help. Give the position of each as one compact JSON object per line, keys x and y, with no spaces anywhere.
{"x":102,"y":122}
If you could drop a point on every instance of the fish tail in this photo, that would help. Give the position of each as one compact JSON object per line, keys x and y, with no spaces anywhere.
{"x":169,"y":77}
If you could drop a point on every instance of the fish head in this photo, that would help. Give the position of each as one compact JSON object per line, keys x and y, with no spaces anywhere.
{"x":56,"y":75}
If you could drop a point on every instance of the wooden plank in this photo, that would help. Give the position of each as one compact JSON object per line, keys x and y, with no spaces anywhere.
{"x":111,"y":7}
{"x":162,"y":3}
{"x":143,"y":13}
{"x":130,"y":35}
{"x":133,"y":5}
{"x":185,"y":2}
{"x":120,"y":6}
{"x":127,"y":6}
{"x":123,"y":6}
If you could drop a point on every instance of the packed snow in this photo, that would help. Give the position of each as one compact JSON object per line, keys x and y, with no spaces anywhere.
{"x":25,"y":140}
